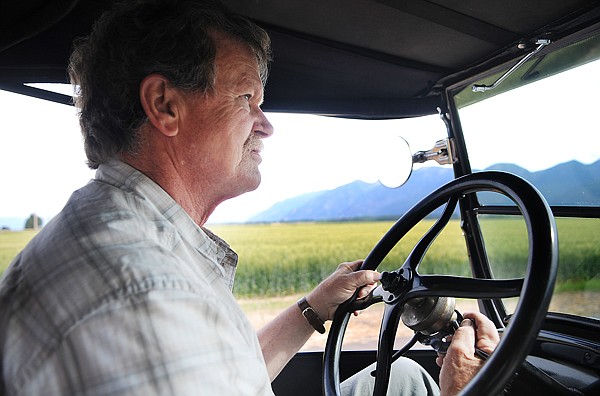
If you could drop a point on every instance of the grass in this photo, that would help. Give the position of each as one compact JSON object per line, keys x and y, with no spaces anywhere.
{"x":281,"y":259}
{"x":292,"y":258}
{"x":11,"y":243}
{"x":286,"y":259}
{"x":578,"y":285}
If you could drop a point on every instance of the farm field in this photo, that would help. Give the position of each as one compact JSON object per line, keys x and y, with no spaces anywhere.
{"x":11,"y":243}
{"x":290,"y":259}
{"x":280,"y":259}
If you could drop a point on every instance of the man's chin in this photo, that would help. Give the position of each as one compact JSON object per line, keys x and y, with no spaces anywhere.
{"x":253,"y":186}
{"x":247,"y":184}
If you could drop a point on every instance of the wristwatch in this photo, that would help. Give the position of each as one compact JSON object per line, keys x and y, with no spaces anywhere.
{"x":309,"y":313}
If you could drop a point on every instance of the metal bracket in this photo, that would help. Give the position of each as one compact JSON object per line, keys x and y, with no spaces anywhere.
{"x":541,"y":43}
{"x":442,"y":153}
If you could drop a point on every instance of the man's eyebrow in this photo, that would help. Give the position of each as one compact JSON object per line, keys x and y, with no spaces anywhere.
{"x":262,"y":97}
{"x":260,"y":91}
{"x":252,"y":83}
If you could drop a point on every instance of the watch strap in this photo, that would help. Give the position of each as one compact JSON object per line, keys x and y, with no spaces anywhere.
{"x":309,"y":313}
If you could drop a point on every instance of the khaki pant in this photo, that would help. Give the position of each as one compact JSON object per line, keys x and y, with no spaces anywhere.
{"x":407,"y":378}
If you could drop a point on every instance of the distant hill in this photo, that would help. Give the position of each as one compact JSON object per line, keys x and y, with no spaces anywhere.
{"x":578,"y":183}
{"x":358,"y":200}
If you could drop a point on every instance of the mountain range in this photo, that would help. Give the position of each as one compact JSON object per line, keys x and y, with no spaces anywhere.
{"x":570,"y":183}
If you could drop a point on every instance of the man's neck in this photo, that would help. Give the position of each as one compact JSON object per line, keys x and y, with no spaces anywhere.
{"x":197,"y":203}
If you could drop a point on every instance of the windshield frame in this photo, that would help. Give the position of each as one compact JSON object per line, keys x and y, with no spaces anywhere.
{"x":460,"y":95}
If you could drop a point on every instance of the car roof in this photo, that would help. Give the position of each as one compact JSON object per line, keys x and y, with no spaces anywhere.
{"x":350,"y":58}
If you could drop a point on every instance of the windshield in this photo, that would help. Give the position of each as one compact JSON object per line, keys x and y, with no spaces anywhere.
{"x":548,"y":133}
{"x":540,"y":131}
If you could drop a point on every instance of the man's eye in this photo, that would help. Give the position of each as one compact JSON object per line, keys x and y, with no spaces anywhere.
{"x":247,"y":97}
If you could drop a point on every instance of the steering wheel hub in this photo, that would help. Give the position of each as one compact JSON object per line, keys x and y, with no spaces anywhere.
{"x":428,"y":315}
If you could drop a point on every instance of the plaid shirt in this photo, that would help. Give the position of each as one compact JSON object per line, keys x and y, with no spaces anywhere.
{"x":123,"y":294}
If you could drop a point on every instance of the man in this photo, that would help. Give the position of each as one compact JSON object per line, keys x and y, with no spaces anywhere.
{"x":125,"y":292}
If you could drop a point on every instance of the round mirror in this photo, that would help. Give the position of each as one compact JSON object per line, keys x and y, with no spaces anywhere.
{"x":394,"y":162}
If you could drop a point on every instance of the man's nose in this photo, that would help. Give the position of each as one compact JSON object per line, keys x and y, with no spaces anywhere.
{"x":263,"y":127}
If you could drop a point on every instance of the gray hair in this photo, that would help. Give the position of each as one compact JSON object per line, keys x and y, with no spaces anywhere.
{"x":138,"y":38}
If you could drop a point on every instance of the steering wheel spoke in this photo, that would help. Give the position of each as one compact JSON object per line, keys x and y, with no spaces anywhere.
{"x":465,"y":287}
{"x":385,"y":348}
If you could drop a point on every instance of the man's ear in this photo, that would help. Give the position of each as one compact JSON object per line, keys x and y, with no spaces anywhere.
{"x":160,"y":102}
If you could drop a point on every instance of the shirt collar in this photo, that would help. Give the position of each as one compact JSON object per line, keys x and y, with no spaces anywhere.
{"x":127,"y":178}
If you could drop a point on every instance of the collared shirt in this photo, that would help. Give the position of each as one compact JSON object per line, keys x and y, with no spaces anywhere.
{"x":122,"y":294}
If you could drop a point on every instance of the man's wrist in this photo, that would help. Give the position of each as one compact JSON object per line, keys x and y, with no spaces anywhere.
{"x":311,"y":315}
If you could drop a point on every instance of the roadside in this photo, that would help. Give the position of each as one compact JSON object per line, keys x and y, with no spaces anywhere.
{"x":363,"y":331}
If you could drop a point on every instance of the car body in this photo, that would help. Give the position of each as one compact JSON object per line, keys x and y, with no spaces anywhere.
{"x":402,"y":60}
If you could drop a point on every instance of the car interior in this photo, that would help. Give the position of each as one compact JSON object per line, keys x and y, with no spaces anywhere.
{"x":375,"y":60}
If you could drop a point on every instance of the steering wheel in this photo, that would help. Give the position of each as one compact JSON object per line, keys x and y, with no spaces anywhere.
{"x":404,"y":284}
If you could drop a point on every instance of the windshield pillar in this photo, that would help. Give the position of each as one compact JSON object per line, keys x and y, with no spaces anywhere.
{"x":475,"y":245}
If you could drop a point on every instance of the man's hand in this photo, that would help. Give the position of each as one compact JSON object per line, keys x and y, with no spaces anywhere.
{"x":281,"y":338}
{"x":459,"y":365}
{"x":340,"y":286}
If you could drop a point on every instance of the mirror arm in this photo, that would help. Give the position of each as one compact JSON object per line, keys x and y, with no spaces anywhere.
{"x":442,"y":152}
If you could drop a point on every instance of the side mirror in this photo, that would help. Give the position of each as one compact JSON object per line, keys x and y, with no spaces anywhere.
{"x":395,"y":161}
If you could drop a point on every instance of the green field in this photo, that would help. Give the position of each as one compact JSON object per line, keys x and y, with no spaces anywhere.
{"x":11,"y":243}
{"x":281,"y":259}
{"x":278,"y":259}
{"x":292,"y":258}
